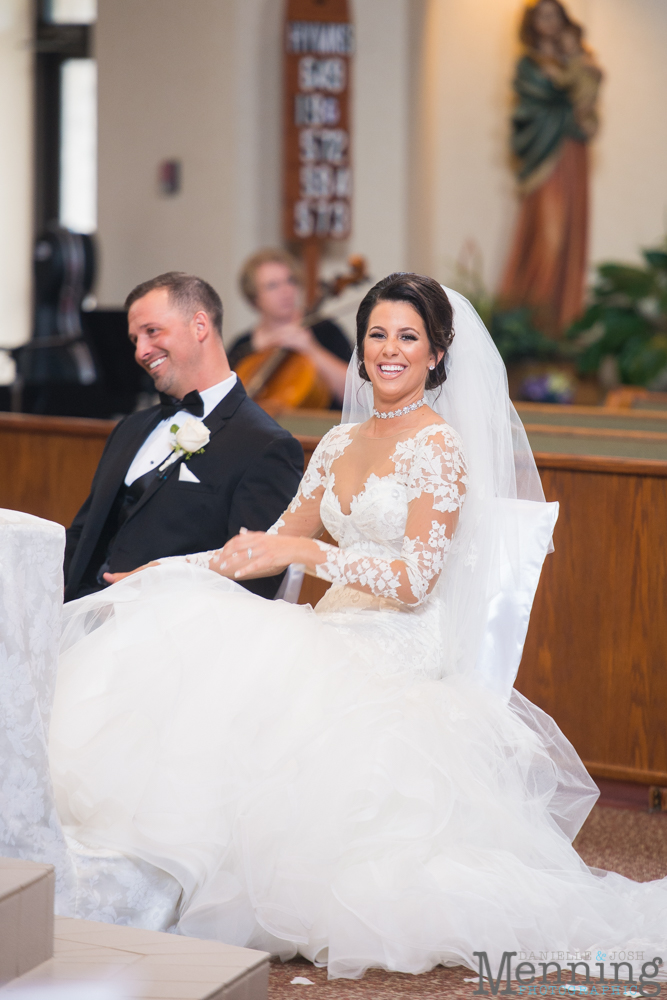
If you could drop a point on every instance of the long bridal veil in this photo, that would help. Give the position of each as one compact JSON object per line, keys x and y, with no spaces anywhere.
{"x":487,"y":588}
{"x":506,"y":525}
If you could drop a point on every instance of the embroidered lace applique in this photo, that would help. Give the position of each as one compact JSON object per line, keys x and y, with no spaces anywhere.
{"x":395,"y":540}
{"x":311,"y":487}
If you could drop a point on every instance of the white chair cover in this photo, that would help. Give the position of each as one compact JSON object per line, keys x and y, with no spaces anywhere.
{"x":290,"y":588}
{"x":523,"y":532}
{"x":90,"y":882}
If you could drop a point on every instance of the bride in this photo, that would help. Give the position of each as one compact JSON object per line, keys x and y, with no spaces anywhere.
{"x":354,"y":783}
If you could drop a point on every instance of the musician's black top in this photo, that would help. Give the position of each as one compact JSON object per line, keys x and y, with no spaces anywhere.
{"x":326,"y":332}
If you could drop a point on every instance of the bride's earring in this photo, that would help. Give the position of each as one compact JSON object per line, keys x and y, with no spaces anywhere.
{"x":431,"y":367}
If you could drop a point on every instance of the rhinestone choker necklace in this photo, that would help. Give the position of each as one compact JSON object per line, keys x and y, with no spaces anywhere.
{"x":399,"y":413}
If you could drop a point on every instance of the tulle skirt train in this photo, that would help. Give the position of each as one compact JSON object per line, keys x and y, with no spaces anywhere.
{"x":310,"y":799}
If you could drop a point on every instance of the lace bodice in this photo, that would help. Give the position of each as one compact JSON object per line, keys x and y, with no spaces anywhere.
{"x":394,"y":540}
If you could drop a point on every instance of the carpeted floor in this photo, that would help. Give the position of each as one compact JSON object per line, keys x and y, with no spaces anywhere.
{"x":375,"y":985}
{"x":630,"y":842}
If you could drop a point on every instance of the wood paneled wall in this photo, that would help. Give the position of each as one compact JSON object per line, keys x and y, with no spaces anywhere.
{"x":47,"y":463}
{"x":596,"y":653}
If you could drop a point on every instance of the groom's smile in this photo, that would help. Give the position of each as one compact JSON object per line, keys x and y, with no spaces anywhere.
{"x":158,"y":369}
{"x":172,"y":346}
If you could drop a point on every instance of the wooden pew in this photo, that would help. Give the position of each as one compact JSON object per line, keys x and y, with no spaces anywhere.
{"x":596,"y":652}
{"x":47,"y":463}
{"x":628,"y":397}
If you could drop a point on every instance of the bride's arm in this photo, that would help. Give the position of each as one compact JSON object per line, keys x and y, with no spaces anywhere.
{"x":436,"y":477}
{"x":253,"y":554}
{"x":436,"y":491}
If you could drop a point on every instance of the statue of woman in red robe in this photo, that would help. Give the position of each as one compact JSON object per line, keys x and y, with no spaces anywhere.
{"x":556,"y":83}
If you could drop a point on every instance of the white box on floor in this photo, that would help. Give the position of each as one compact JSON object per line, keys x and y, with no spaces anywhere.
{"x":26,"y":916}
{"x":148,"y":964}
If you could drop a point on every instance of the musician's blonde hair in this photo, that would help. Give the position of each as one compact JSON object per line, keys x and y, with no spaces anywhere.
{"x":270,"y":255}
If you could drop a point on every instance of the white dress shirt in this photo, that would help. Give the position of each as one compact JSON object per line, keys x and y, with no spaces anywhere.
{"x":157,"y":446}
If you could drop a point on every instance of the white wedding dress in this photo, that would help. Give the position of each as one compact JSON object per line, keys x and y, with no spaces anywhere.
{"x":328,"y":782}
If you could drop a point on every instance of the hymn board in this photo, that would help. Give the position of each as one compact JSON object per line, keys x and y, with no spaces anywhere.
{"x":317,"y":178}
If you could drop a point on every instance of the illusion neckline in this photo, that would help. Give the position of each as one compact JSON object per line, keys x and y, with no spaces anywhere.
{"x":388,"y":437}
{"x":373,"y":475}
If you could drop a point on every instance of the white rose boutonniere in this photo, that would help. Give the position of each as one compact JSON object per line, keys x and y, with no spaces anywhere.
{"x":188,"y":440}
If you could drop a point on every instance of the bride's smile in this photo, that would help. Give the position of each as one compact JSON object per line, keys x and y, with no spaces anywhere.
{"x":397,"y":355}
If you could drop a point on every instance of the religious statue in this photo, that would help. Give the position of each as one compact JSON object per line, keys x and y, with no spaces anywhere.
{"x":557,"y":82}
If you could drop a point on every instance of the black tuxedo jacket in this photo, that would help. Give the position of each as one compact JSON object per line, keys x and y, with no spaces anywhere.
{"x":248,"y":473}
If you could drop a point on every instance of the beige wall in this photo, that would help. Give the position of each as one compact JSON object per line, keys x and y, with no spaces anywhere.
{"x":166,"y":90}
{"x":200,"y":81}
{"x":15,"y":172}
{"x":463,"y":186}
{"x":630,"y":171}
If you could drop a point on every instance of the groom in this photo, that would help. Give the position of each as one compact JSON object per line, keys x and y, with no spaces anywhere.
{"x":235,"y":466}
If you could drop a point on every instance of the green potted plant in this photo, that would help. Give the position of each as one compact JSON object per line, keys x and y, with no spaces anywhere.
{"x":622,"y":335}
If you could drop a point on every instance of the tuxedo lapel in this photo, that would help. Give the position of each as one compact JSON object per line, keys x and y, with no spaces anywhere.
{"x":215,"y":421}
{"x":120,"y":460}
{"x":111,"y":472}
{"x":116,"y":462}
{"x":226,"y":408}
{"x":159,"y":480}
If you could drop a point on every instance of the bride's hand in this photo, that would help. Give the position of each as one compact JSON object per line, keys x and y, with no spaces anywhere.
{"x":115,"y":577}
{"x":253,"y":554}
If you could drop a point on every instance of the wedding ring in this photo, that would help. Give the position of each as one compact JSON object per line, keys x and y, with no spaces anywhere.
{"x":249,"y":554}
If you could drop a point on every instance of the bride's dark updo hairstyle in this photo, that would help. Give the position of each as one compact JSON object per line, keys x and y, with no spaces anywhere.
{"x":428,"y":298}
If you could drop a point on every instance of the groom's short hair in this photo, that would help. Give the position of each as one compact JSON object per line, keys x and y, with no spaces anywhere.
{"x":186,"y":292}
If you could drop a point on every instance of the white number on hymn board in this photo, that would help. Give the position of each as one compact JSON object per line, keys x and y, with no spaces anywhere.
{"x":323,"y":181}
{"x":322,"y":74}
{"x":325,"y":145}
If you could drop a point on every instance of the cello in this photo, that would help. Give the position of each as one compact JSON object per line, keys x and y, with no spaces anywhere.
{"x":278,"y":378}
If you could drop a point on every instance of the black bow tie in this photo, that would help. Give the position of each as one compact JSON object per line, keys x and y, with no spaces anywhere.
{"x":192,"y":402}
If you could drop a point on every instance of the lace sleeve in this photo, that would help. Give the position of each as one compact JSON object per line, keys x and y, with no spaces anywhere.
{"x":302,"y":517}
{"x":435,"y":474}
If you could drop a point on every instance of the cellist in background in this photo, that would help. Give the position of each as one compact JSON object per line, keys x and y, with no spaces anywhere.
{"x":272,"y":282}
